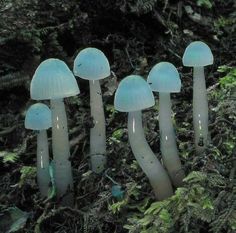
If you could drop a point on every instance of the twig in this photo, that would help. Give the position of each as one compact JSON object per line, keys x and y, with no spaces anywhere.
{"x":76,"y":140}
{"x":130,"y":61}
{"x":8,"y":130}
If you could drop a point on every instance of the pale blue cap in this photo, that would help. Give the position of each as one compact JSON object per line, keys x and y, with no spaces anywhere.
{"x":133,"y":94}
{"x":53,"y":80}
{"x":164,"y":77}
{"x":38,"y":117}
{"x":91,"y":64}
{"x":197,"y":54}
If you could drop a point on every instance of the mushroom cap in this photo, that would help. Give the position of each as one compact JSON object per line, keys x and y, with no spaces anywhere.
{"x":164,"y":77}
{"x":53,"y":80}
{"x":133,"y":94}
{"x":197,"y":54}
{"x":91,"y":64}
{"x":38,"y":117}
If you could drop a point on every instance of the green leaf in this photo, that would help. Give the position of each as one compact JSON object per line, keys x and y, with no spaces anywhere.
{"x":165,"y":216}
{"x":116,"y":207}
{"x":9,"y":157}
{"x":28,"y":175}
{"x":195,"y":176}
{"x":207,"y":204}
{"x":13,"y":219}
{"x":118,"y":134}
{"x":229,"y":80}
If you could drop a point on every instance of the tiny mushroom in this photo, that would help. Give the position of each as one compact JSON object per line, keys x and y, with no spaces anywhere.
{"x":164,"y":78}
{"x":54,"y":81}
{"x":132,"y":96}
{"x":38,"y":117}
{"x":198,"y":55}
{"x":91,"y":64}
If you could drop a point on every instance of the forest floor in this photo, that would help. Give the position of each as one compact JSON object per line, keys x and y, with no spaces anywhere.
{"x":135,"y":35}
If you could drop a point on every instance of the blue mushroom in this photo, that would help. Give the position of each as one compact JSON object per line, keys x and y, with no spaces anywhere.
{"x":164,"y":78}
{"x":53,"y":80}
{"x":132,"y":96}
{"x":38,"y":117}
{"x":91,"y":64}
{"x":198,"y":55}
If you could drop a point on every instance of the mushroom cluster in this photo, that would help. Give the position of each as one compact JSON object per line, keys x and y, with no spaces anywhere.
{"x":54,"y":81}
{"x":127,"y":99}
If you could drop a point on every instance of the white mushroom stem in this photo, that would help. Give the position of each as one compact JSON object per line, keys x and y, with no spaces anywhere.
{"x":61,"y":151}
{"x":200,"y":109}
{"x":169,"y":149}
{"x":98,"y":131}
{"x":146,"y":158}
{"x":43,"y":176}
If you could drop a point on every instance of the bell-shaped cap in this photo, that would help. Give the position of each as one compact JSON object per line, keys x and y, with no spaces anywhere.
{"x":133,"y":94}
{"x":38,"y":117}
{"x":91,"y":64}
{"x":197,"y":54}
{"x":164,"y":77}
{"x":53,"y":80}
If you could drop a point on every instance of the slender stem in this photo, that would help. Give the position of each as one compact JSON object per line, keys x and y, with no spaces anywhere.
{"x":169,"y":149}
{"x":61,"y":151}
{"x":43,"y":176}
{"x":98,"y":132}
{"x":147,"y":160}
{"x":200,"y":109}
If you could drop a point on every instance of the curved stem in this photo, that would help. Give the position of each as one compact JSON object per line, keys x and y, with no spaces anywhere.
{"x":169,"y":149}
{"x":147,"y":160}
{"x":98,"y":132}
{"x":200,"y":109}
{"x":61,"y":151}
{"x":43,"y":176}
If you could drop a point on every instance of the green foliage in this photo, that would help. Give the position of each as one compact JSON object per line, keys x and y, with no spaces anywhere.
{"x":192,"y":205}
{"x":204,"y":3}
{"x":132,"y":191}
{"x":9,"y":157}
{"x":117,"y":134}
{"x":225,"y":24}
{"x":229,"y":80}
{"x":28,"y":175}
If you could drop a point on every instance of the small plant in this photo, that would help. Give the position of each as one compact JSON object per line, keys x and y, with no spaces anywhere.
{"x":229,"y":80}
{"x":28,"y":174}
{"x":9,"y":157}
